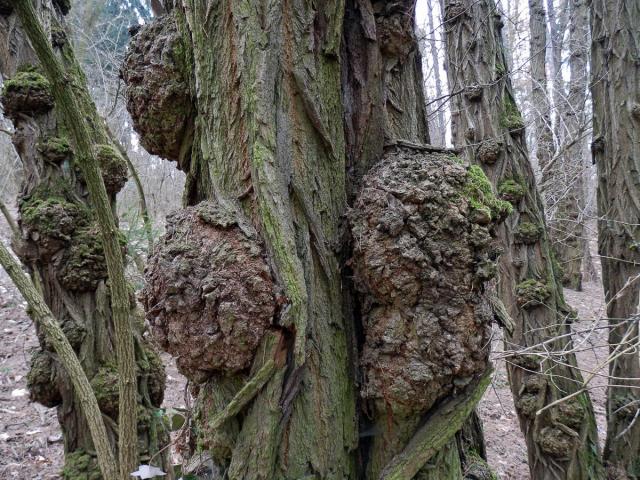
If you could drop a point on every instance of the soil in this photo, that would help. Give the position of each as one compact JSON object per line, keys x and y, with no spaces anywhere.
{"x":31,"y":444}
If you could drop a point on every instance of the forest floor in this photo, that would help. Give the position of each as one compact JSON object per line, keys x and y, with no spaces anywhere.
{"x":31,"y":442}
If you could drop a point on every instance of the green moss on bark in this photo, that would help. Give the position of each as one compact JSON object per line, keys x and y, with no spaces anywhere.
{"x":532,"y":293}
{"x":80,"y":465}
{"x":28,"y":92}
{"x":528,"y":233}
{"x":510,"y":117}
{"x":84,"y":265}
{"x":55,"y":149}
{"x":482,"y":200}
{"x":511,"y":190}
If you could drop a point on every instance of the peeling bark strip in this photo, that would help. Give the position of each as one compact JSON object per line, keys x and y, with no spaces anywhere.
{"x":615,"y":87}
{"x":562,"y":441}
{"x":59,"y":235}
{"x":289,"y":120}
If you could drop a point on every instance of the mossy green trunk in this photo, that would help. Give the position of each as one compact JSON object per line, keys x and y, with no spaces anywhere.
{"x":488,"y":124}
{"x":61,"y":241}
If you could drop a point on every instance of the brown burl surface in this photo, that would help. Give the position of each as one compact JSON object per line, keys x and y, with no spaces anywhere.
{"x":420,"y":262}
{"x":158,"y":97}
{"x":209,"y":296}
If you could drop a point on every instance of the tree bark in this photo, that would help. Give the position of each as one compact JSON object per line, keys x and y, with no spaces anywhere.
{"x":68,"y":358}
{"x":296,"y":104}
{"x":615,"y":77}
{"x":563,"y":178}
{"x":539,"y":85}
{"x":561,"y":441}
{"x":61,"y":237}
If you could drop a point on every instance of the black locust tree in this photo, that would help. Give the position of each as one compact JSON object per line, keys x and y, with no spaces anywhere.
{"x":323,"y":286}
{"x":615,"y":81}
{"x":69,"y":240}
{"x":561,"y":437}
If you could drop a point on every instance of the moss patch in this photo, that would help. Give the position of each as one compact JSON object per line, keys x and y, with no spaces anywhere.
{"x":532,"y":293}
{"x":511,"y":118}
{"x":528,"y":233}
{"x":105,"y":386}
{"x":84,"y":265}
{"x":53,"y":217}
{"x":27,"y":92}
{"x":511,"y":190}
{"x":483,"y":202}
{"x":113,"y":168}
{"x":79,"y":465}
{"x":55,"y":149}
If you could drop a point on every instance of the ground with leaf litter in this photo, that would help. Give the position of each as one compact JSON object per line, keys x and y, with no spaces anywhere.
{"x":31,"y":443}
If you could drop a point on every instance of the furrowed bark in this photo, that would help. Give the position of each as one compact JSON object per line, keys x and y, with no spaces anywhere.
{"x":615,"y":76}
{"x":60,"y":242}
{"x":562,"y":442}
{"x":81,"y":137}
{"x":42,"y":315}
{"x":292,"y":106}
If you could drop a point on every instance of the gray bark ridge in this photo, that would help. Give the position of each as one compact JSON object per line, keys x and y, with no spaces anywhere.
{"x":295,"y":104}
{"x":488,"y":124}
{"x":615,"y":77}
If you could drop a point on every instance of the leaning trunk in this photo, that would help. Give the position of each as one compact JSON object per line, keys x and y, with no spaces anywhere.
{"x":615,"y":79}
{"x":60,"y":242}
{"x":561,"y":440}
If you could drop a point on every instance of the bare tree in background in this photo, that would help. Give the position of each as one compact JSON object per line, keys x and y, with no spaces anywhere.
{"x":615,"y":80}
{"x":487,"y":123}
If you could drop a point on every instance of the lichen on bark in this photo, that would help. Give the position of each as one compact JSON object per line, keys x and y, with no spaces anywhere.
{"x":420,"y":259}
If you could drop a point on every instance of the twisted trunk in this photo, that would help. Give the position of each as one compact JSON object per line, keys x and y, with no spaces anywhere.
{"x":562,"y":440}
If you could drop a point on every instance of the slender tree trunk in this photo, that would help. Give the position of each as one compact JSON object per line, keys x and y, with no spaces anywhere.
{"x":562,"y":440}
{"x":563,"y":178}
{"x":301,"y":113}
{"x":439,"y":106}
{"x":60,"y":240}
{"x":539,"y":87}
{"x":615,"y":80}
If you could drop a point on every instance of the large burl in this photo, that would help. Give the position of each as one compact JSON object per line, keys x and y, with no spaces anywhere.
{"x":156,"y":75}
{"x":210,"y":296}
{"x":423,"y":249}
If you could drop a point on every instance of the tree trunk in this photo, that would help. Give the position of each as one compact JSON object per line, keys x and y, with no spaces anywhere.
{"x":298,"y":113}
{"x":539,"y":87}
{"x":615,"y":77}
{"x":562,"y":440}
{"x":438,"y":108}
{"x":563,"y":178}
{"x":60,"y":240}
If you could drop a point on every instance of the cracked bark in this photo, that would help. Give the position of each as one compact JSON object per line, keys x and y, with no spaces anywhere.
{"x":528,"y":284}
{"x":615,"y":76}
